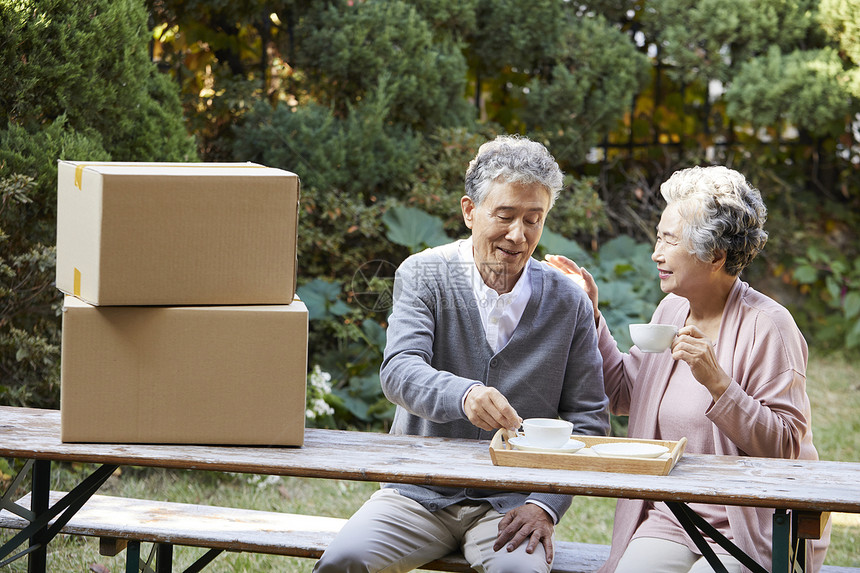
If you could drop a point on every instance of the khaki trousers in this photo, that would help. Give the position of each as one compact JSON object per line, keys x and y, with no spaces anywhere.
{"x":654,"y":555}
{"x":391,"y":533}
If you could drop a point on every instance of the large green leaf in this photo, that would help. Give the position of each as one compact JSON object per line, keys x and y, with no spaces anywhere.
{"x":805,"y":274}
{"x":852,"y":339}
{"x":321,"y":298}
{"x":375,"y":333}
{"x":852,"y":304}
{"x":555,"y":244}
{"x":414,"y":228}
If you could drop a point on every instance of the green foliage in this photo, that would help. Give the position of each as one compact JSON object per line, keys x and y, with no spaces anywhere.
{"x":345,"y":51}
{"x":833,"y":279}
{"x":509,"y":36}
{"x":28,"y":354}
{"x":89,"y":63}
{"x":456,"y":18}
{"x":440,"y":173}
{"x":413,"y":228}
{"x":348,"y":167}
{"x":35,"y":154}
{"x":596,"y":72}
{"x":75,"y":81}
{"x":806,"y":89}
{"x":706,"y":39}
{"x":29,"y":303}
{"x":322,"y":299}
{"x":839,"y":20}
{"x":345,"y":343}
{"x":579,"y":211}
{"x":552,"y":243}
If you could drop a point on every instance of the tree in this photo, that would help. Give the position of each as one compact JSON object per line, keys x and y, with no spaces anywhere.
{"x":805,"y":88}
{"x":76,"y":83}
{"x":706,"y":40}
{"x":591,"y":85}
{"x":346,"y":51}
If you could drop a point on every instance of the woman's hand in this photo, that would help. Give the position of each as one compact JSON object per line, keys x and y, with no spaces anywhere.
{"x":697,"y":351}
{"x":579,"y":275}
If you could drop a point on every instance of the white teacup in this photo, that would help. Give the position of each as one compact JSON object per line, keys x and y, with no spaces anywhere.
{"x":653,"y":337}
{"x":547,"y":432}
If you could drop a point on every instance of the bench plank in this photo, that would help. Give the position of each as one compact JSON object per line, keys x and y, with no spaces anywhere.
{"x":256,"y":531}
{"x":248,"y":530}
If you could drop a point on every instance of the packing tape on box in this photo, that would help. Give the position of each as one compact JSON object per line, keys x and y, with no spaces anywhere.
{"x":76,"y":288}
{"x":79,"y":169}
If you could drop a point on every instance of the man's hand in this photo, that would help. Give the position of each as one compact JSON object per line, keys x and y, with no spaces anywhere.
{"x":488,"y":409}
{"x":527,"y":521}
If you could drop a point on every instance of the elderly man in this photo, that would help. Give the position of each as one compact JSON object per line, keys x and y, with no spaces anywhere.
{"x":481,"y":336}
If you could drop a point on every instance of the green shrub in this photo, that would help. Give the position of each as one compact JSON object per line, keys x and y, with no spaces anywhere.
{"x":30,"y":317}
{"x":832,"y":306}
{"x":76,"y":83}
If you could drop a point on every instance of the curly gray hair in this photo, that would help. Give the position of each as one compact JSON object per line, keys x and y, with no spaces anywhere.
{"x":723,"y":212}
{"x":512,"y":159}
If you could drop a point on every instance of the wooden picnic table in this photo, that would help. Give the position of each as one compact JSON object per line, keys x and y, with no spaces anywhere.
{"x":800,"y":492}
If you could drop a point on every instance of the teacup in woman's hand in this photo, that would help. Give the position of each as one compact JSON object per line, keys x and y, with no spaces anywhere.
{"x":653,"y":337}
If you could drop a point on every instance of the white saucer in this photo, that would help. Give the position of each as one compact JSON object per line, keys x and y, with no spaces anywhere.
{"x":629,"y":450}
{"x":520,"y":443}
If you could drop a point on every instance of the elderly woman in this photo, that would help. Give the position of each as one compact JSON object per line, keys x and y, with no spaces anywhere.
{"x":733,"y":383}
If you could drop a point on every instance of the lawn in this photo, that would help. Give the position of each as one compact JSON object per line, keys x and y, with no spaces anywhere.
{"x":833,"y":385}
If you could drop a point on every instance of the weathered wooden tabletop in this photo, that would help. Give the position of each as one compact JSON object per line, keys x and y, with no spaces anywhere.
{"x":365,"y":456}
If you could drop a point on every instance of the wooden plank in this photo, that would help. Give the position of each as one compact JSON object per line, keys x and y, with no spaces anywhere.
{"x":237,"y":530}
{"x":193,"y":525}
{"x":366,"y":456}
{"x":117,"y":520}
{"x":811,"y":524}
{"x":111,"y":546}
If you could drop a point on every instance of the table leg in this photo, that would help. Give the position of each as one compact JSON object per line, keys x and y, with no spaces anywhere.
{"x":37,"y":562}
{"x":41,"y":531}
{"x":164,"y":558}
{"x":682,"y":512}
{"x":781,"y":542}
{"x":693,"y":523}
{"x":132,"y":556}
{"x":798,"y":544}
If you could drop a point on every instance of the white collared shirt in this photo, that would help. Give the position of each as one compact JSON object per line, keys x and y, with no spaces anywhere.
{"x":500,"y":314}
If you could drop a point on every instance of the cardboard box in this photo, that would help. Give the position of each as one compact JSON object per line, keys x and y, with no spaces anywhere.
{"x":176,"y":233}
{"x":189,"y":375}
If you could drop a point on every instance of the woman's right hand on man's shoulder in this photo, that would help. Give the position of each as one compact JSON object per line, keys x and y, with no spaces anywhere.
{"x":579,"y":275}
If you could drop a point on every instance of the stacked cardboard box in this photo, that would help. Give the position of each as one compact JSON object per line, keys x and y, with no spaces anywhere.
{"x":179,"y":322}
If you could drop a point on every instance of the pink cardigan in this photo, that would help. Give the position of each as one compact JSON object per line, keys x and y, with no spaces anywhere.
{"x":765,"y":413}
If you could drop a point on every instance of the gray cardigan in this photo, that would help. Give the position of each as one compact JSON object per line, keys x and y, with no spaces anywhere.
{"x":436,"y":350}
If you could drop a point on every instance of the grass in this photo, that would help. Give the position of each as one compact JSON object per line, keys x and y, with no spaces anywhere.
{"x":833,"y":386}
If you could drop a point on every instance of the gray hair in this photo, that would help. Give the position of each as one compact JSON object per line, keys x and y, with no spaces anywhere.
{"x":723,"y":212}
{"x":512,"y":159}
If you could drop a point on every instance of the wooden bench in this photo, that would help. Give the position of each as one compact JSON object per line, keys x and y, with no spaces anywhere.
{"x":118,"y":522}
{"x":122,"y":522}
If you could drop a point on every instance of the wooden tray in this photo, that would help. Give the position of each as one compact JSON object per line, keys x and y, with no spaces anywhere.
{"x":503,"y":454}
